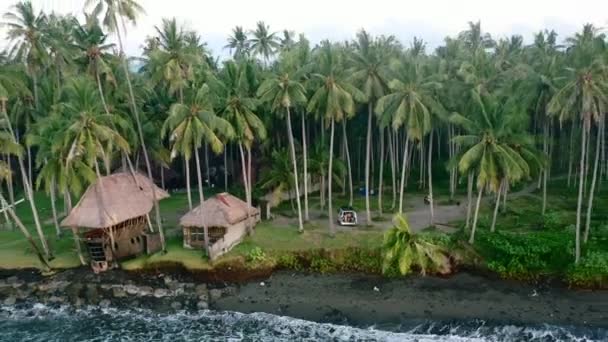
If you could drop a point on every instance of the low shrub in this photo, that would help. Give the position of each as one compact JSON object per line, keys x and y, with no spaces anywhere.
{"x":256,"y":255}
{"x":592,"y":271}
{"x":528,"y":255}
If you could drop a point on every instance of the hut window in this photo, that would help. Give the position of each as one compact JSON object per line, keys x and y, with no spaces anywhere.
{"x":138,"y":240}
{"x":115,"y":246}
{"x":197,"y":234}
{"x":132,"y":241}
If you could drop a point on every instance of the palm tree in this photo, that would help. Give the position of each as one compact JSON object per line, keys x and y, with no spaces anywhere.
{"x":11,"y":84}
{"x":189,"y":125}
{"x":235,"y":88}
{"x":494,"y":151}
{"x":370,"y":74}
{"x":94,"y":53}
{"x":123,"y":10}
{"x":174,"y":60}
{"x":583,"y":98}
{"x":334,"y":99}
{"x":410,"y":101}
{"x":8,"y":146}
{"x":264,"y":43}
{"x":283,"y":93}
{"x":238,"y":42}
{"x":404,"y":249}
{"x":90,"y":135}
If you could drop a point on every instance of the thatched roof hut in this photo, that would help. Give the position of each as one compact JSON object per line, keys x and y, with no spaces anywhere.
{"x":114,"y":199}
{"x":227,"y":220}
{"x":221,"y":210}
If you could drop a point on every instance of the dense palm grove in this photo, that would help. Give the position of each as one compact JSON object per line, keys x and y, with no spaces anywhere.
{"x":282,"y":115}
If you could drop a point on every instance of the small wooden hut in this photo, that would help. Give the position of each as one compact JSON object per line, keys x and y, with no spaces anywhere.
{"x":227,"y":219}
{"x":114,"y":214}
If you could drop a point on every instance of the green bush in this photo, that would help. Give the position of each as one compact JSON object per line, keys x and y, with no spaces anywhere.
{"x":256,"y":255}
{"x":361,"y":260}
{"x":527,"y":255}
{"x":321,"y":264}
{"x":591,"y":271}
{"x":553,"y":220}
{"x":289,"y":261}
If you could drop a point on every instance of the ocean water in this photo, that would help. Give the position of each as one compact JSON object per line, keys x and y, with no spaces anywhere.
{"x":42,"y":323}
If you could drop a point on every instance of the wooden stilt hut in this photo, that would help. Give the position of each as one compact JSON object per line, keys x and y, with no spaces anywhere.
{"x":227,"y":219}
{"x":114,"y":214}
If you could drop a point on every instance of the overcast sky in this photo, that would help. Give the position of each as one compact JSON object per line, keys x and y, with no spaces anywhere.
{"x":431,"y":20}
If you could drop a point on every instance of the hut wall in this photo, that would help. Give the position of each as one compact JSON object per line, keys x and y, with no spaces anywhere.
{"x":234,"y":235}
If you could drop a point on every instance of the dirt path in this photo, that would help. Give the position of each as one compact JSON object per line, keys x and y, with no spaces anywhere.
{"x":417,"y":213}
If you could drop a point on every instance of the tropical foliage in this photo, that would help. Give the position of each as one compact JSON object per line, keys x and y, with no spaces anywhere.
{"x":74,"y":106}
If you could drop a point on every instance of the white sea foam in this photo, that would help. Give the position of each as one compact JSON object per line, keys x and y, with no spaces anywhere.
{"x":43,"y":323}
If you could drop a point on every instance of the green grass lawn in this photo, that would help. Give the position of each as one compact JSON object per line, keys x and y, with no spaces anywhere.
{"x":522,"y":221}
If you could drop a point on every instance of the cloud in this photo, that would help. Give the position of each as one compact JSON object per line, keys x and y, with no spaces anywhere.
{"x":430,"y":20}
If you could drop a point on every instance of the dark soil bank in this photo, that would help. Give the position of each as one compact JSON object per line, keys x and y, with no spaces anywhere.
{"x":365,"y":300}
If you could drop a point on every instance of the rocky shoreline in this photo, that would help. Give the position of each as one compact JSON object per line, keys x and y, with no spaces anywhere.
{"x":119,"y":289}
{"x":354,"y":299}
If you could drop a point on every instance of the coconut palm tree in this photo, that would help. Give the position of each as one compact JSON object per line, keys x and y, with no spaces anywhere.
{"x":410,"y":102}
{"x":283,"y":93}
{"x":493,"y":147}
{"x":263,"y":43}
{"x":235,"y":88}
{"x":370,"y":71}
{"x":334,"y":99}
{"x":174,"y":60}
{"x":117,"y":12}
{"x":90,"y":135}
{"x":582,"y":97}
{"x":90,"y":40}
{"x":6,"y":146}
{"x":190,"y":124}
{"x":404,"y":249}
{"x":238,"y":42}
{"x":12,"y":85}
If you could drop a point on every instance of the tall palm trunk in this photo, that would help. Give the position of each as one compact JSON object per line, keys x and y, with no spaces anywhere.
{"x":368,"y":153}
{"x":139,"y":129}
{"x":292,"y":149}
{"x":571,"y":153}
{"x":207,"y":174}
{"x":25,"y":232}
{"x":593,"y":181}
{"x":28,"y":190}
{"x":244,"y":173}
{"x":381,"y":171}
{"x":225,"y":169}
{"x":472,"y":238}
{"x":391,"y":152}
{"x":78,"y":247}
{"x":579,"y":203}
{"x":502,"y":185}
{"x":187,"y":164}
{"x":545,"y":171}
{"x":54,"y":207}
{"x":249,"y":182}
{"x":403,"y":169}
{"x":29,"y":165}
{"x":201,"y":196}
{"x":430,"y":174}
{"x":348,"y":164}
{"x":162,"y":178}
{"x":470,"y":198}
{"x":332,"y":228}
{"x":305,"y":162}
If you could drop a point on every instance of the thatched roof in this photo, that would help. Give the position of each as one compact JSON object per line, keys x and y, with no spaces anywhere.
{"x":221,"y":210}
{"x":122,"y":198}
